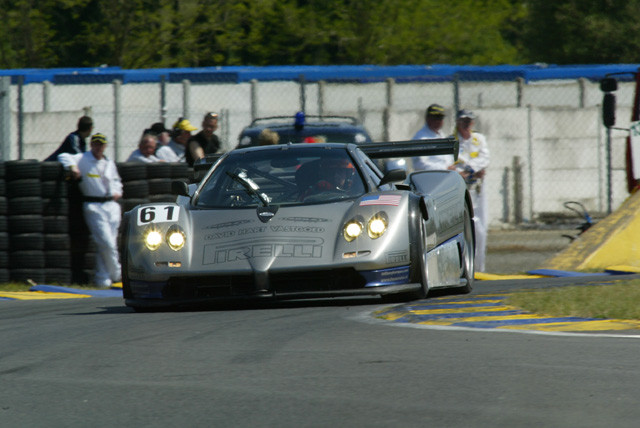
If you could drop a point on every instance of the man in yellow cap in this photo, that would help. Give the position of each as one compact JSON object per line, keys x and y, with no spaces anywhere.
{"x":101,"y":187}
{"x":180,"y":134}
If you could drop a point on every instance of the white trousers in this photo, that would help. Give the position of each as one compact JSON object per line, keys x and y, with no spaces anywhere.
{"x":103,"y":220}
{"x":480,"y":212}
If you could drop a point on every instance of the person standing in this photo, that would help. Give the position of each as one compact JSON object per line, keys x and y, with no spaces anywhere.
{"x":205,"y":141}
{"x":473,"y":160}
{"x":434,"y":118}
{"x":101,"y":187}
{"x":75,"y":142}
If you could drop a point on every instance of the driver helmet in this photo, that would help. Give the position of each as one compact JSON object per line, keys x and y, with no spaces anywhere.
{"x":338,"y":173}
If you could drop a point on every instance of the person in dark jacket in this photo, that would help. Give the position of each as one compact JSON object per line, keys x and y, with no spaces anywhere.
{"x":76,"y":142}
{"x":205,"y":141}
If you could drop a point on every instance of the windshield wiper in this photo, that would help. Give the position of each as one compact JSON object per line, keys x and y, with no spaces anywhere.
{"x":250,"y":186}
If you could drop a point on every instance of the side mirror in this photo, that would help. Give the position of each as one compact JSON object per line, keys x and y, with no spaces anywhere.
{"x":393,"y":175}
{"x":609,"y":110}
{"x":180,"y":188}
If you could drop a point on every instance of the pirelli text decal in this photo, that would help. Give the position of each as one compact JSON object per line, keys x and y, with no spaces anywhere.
{"x":301,"y":248}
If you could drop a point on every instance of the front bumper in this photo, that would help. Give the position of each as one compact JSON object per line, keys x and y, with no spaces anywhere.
{"x":281,"y":285}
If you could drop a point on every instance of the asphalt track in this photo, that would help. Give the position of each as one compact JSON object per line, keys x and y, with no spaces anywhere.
{"x":478,"y":311}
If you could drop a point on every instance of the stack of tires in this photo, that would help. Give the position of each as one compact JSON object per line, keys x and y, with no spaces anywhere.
{"x":135,"y":187}
{"x":25,"y":221}
{"x":43,"y":235}
{"x":4,"y":236}
{"x":56,"y":219}
{"x":150,"y":182}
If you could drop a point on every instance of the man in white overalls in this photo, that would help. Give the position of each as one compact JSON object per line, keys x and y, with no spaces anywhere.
{"x":101,"y":187}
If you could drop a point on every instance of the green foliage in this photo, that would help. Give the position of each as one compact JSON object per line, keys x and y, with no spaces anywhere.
{"x":192,"y":33}
{"x":582,"y":31}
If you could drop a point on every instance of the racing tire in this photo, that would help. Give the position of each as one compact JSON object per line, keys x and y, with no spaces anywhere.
{"x":51,"y":171}
{"x":158,"y":170}
{"x":418,"y":265}
{"x":467,"y":253}
{"x":132,"y":171}
{"x":423,"y":266}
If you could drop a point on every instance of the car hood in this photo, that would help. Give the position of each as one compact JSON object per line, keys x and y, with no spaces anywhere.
{"x":301,"y":236}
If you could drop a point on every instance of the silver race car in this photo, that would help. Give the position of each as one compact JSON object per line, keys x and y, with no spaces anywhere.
{"x":303,"y":220}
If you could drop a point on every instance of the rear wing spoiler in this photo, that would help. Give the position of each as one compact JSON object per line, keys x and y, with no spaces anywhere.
{"x":402,"y":149}
{"x":392,"y":149}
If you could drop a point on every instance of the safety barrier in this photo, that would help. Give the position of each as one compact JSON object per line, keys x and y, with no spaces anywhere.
{"x":43,"y":236}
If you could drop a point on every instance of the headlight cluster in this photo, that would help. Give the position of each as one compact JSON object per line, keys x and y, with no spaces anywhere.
{"x":174,"y":237}
{"x":376,"y":227}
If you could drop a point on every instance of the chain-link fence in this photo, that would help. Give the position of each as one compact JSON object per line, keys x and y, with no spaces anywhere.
{"x":547,"y":141}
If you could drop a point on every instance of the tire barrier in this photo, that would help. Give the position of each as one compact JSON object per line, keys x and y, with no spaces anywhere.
{"x":43,"y":235}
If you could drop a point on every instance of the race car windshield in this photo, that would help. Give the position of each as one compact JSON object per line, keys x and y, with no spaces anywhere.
{"x":291,"y":176}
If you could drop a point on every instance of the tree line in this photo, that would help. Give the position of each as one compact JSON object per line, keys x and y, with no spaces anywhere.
{"x":194,"y":33}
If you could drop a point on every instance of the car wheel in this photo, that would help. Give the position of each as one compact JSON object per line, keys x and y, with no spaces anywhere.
{"x":424,"y":266}
{"x":467,"y":254}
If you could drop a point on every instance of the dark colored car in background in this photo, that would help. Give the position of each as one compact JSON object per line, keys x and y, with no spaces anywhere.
{"x":306,"y":129}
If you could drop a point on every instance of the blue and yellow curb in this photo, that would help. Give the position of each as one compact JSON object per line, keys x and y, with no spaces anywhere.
{"x":45,"y":292}
{"x":490,"y":311}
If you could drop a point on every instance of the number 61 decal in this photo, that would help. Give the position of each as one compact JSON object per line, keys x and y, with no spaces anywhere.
{"x":158,"y":214}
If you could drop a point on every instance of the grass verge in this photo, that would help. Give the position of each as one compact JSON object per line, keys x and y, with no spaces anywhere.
{"x":620,"y":300}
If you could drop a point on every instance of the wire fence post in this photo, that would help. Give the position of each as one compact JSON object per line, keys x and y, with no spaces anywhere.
{"x":303,"y":95}
{"x":254,"y":99}
{"x":321,"y":89}
{"x":517,"y":190}
{"x":456,"y":92}
{"x":186,"y":98}
{"x":117,"y":100}
{"x":163,"y":98}
{"x":46,"y":96}
{"x":20,"y":117}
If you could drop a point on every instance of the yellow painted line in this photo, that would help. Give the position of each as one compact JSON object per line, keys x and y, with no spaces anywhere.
{"x":491,"y":276}
{"x":464,"y":315}
{"x":391,"y":316}
{"x":39,"y":295}
{"x":600,"y":325}
{"x":449,"y":321}
{"x":463,"y":302}
{"x":464,"y":310}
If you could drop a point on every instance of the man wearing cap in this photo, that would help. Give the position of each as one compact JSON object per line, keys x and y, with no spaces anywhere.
{"x":205,"y":141}
{"x":434,"y":118}
{"x":101,"y":187}
{"x":180,"y":135}
{"x":473,"y":159}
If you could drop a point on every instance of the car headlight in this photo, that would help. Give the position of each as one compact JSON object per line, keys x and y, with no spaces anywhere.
{"x":152,"y":239}
{"x":175,"y":238}
{"x":352,"y":229}
{"x":377,"y":225}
